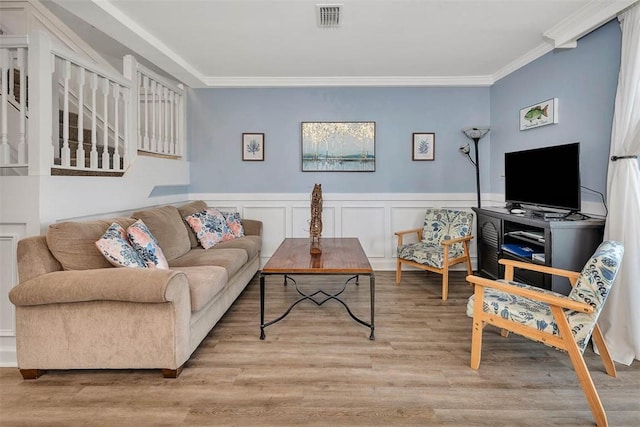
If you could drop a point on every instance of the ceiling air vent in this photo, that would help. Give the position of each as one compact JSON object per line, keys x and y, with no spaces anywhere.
{"x":329,"y":15}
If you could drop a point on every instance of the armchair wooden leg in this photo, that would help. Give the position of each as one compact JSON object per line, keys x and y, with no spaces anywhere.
{"x":478,"y":326}
{"x":398,"y":271}
{"x":445,"y":284}
{"x":468,"y":264}
{"x":579,"y":365}
{"x":598,"y":339}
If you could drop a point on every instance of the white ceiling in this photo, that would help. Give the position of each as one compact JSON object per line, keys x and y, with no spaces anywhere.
{"x":214,"y":43}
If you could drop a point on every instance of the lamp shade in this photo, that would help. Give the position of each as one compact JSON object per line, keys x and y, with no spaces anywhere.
{"x":475,"y":132}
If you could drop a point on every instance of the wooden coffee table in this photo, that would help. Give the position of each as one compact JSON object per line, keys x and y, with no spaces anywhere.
{"x":340,"y":256}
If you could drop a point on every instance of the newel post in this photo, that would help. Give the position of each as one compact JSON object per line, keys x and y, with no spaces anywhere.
{"x":132,"y":109}
{"x":40,"y":123}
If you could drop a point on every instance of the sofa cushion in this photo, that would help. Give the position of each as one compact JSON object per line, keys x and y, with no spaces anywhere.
{"x":205,"y":282}
{"x":146,"y":245}
{"x":231,"y":259}
{"x":73,"y":244}
{"x":251,"y":244}
{"x":210,"y":227}
{"x":115,"y":247}
{"x":167,"y":227}
{"x":190,"y":209}
{"x":234,"y":222}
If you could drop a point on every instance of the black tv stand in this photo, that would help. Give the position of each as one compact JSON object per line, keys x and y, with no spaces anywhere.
{"x":565,"y":244}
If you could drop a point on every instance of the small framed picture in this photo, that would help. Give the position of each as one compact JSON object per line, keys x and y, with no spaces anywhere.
{"x":253,"y":147}
{"x":540,"y":114}
{"x":424,"y":146}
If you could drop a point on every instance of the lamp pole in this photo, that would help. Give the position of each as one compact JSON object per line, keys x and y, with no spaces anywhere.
{"x":475,"y":134}
{"x":475,"y":142}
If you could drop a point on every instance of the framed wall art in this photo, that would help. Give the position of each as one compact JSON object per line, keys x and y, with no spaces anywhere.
{"x":540,"y":114}
{"x":338,"y":146}
{"x":253,"y":146}
{"x":424,"y":146}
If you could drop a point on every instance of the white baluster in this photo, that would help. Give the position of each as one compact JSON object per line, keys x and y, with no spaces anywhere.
{"x":146,"y":145}
{"x":105,"y":124}
{"x":154,"y":142}
{"x":160,"y":102}
{"x":172,"y":115}
{"x":80,"y":150}
{"x":12,"y":78}
{"x":180,"y":125}
{"x":167,"y":118}
{"x":116,"y":131}
{"x":93,"y":159}
{"x":138,"y":113}
{"x":126,"y":96}
{"x":66,"y":151}
{"x":5,"y":154}
{"x":22,"y":137}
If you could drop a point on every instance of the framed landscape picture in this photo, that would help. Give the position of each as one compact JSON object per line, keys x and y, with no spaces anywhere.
{"x":338,"y":146}
{"x":253,"y":146}
{"x":424,"y":146}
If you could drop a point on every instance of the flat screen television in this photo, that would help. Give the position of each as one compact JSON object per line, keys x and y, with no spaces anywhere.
{"x":547,"y":177}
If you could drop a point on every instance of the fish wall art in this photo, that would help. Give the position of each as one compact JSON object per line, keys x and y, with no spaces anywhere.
{"x":540,"y":114}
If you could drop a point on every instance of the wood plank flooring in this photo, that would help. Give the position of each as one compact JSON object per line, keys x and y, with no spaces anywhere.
{"x":318,"y":367}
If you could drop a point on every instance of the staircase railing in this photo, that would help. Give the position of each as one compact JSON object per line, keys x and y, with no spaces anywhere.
{"x":160,"y":110}
{"x":83,"y":117}
{"x":13,"y":60}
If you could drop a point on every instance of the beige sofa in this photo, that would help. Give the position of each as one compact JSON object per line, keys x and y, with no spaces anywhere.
{"x":74,"y":310}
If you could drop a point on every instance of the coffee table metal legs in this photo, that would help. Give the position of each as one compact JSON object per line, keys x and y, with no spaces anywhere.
{"x":262,"y":325}
{"x":372,"y":287}
{"x":310,"y":297}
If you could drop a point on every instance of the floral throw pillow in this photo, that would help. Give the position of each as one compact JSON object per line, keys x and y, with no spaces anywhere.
{"x":210,"y":227}
{"x":146,"y":245}
{"x":115,"y":247}
{"x":234,"y":223}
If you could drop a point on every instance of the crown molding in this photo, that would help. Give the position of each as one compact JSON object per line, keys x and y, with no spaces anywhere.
{"x":525,"y":59}
{"x":364,"y":81}
{"x":566,"y":33}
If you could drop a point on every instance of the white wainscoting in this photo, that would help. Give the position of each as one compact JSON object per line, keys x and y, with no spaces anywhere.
{"x":371,"y":217}
{"x":9,"y":236}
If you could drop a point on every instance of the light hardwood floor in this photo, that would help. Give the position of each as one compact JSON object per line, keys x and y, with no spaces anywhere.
{"x":318,"y":367}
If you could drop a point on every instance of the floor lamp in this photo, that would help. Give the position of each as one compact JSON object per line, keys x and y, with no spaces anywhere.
{"x":475,"y":134}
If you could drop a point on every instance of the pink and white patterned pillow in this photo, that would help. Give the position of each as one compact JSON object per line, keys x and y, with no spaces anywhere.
{"x":210,"y":227}
{"x":146,"y":245}
{"x":234,"y":223}
{"x":115,"y":247}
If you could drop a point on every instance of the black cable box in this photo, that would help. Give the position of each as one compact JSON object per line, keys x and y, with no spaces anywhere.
{"x":554,"y":215}
{"x":550,"y":215}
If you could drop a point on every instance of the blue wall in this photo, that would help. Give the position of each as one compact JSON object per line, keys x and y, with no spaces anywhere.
{"x":218,"y":117}
{"x":584,"y":80}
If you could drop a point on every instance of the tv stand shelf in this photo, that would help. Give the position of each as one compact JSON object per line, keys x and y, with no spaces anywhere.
{"x":565,"y":244}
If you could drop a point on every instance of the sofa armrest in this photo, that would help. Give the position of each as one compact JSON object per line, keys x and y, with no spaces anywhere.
{"x":252,"y":227}
{"x":35,"y":258}
{"x":143,"y":285}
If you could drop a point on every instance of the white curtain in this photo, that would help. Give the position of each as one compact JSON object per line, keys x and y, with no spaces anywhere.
{"x":620,"y":319}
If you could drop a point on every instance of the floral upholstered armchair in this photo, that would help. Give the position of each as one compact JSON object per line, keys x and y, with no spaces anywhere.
{"x":443,"y":241}
{"x":564,"y":322}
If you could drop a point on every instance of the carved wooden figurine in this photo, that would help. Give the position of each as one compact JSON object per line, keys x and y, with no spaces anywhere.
{"x":315,"y":226}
